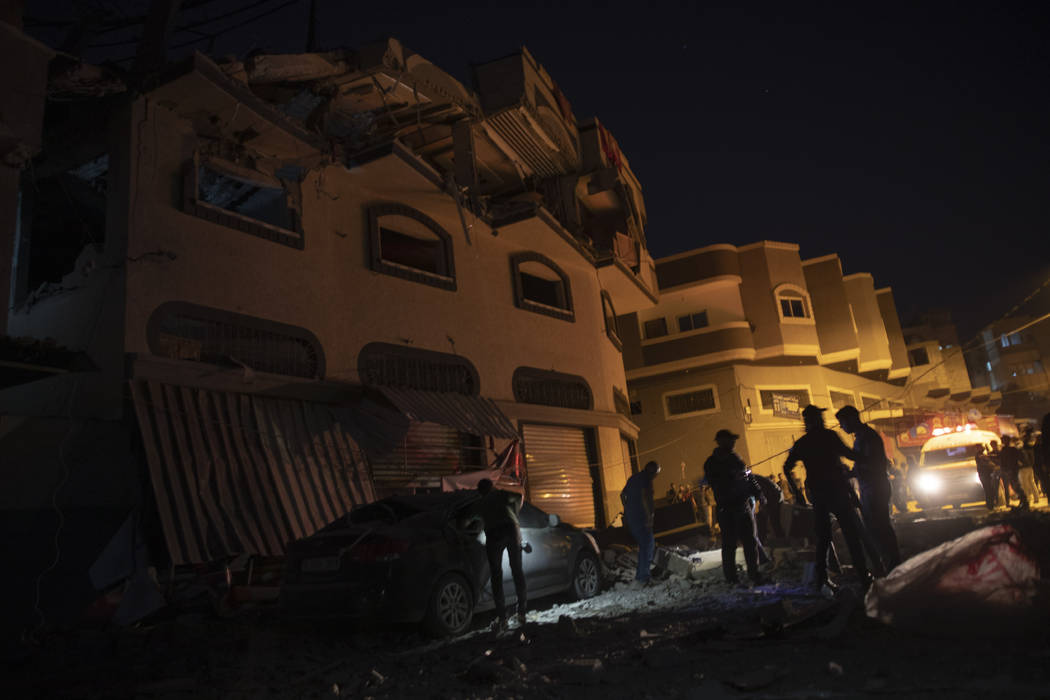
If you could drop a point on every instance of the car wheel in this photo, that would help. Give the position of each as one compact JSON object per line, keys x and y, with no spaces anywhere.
{"x":451,"y":607}
{"x":586,"y":576}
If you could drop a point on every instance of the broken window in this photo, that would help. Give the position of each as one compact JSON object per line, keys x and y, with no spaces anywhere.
{"x":240,"y":198}
{"x":60,"y":214}
{"x":408,"y":244}
{"x":541,"y":286}
{"x":182,"y":331}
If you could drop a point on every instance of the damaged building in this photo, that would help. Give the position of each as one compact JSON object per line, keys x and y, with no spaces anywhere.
{"x":307,"y":281}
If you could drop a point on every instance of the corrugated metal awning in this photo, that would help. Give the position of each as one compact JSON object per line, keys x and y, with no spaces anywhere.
{"x":475,"y":415}
{"x":238,"y":473}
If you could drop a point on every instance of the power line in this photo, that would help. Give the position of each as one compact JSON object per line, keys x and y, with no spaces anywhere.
{"x":189,"y":26}
{"x":220,"y":32}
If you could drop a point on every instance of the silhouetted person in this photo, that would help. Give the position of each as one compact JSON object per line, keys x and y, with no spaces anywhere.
{"x":1042,"y":456}
{"x":498,"y":511}
{"x":869,"y":456}
{"x":685,"y":495}
{"x":767,"y":517}
{"x":986,"y":475}
{"x":733,"y":488}
{"x":821,"y":450}
{"x":898,"y":489}
{"x":637,"y":499}
{"x":1026,"y":475}
{"x":784,"y":489}
{"x":1010,"y":463}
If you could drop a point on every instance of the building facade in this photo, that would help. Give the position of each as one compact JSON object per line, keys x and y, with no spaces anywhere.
{"x":313,"y":266}
{"x":742,"y":338}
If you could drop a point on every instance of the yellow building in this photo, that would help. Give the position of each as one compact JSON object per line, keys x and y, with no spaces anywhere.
{"x":742,"y":338}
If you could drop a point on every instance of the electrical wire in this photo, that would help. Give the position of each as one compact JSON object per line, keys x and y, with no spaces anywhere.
{"x":189,"y":26}
{"x":220,"y":32}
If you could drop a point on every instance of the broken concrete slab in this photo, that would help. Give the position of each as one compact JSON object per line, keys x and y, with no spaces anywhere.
{"x":678,"y":566}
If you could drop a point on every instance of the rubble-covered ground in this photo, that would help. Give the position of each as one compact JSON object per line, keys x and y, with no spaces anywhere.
{"x":690,"y":635}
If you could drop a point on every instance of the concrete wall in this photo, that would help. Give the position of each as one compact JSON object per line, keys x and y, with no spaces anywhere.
{"x":831,"y":310}
{"x":871,"y":333}
{"x":892,"y":323}
{"x":689,"y":439}
{"x":329,"y":288}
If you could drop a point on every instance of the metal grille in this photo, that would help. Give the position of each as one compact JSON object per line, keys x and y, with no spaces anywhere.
{"x":692,"y":402}
{"x":383,"y":364}
{"x":188,"y":337}
{"x":545,"y":388}
{"x":802,"y":395}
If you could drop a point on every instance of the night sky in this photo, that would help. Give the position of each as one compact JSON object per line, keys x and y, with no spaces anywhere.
{"x":911,"y":141}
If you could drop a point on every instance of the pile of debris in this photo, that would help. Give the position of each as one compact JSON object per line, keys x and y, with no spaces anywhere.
{"x":683,"y":579}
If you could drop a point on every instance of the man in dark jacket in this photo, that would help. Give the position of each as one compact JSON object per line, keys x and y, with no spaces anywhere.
{"x":1011,"y":460}
{"x":821,"y":450}
{"x":986,"y":475}
{"x":498,"y":511}
{"x":637,"y":499}
{"x":869,"y":456}
{"x":733,"y":488}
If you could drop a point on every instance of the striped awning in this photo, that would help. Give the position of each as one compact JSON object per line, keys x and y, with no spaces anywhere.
{"x":237,"y":473}
{"x":475,"y":415}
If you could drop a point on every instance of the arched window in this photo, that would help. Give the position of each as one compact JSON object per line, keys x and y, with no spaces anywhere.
{"x":183,"y":331}
{"x":793,"y":303}
{"x":541,"y":286}
{"x":384,"y":364}
{"x":409,"y":244}
{"x":611,"y":328}
{"x":546,"y":388}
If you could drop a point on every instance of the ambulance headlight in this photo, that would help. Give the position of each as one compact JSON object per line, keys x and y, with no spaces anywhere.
{"x":929,"y":483}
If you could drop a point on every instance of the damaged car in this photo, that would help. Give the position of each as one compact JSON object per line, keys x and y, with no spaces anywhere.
{"x":420,"y":559}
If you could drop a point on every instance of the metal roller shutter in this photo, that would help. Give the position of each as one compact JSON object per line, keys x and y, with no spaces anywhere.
{"x":428,"y":452}
{"x":558,"y":472}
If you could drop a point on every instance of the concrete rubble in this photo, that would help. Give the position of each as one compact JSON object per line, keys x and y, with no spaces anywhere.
{"x":688,"y":635}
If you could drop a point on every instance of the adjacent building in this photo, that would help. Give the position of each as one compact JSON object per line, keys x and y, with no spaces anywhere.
{"x":1010,"y":360}
{"x":744,"y":337}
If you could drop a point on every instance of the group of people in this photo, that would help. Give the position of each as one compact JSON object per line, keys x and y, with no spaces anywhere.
{"x":864,"y":519}
{"x":734,"y":493}
{"x":1019,"y":465}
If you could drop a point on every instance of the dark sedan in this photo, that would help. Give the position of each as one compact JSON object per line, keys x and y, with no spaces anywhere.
{"x":412,"y":559}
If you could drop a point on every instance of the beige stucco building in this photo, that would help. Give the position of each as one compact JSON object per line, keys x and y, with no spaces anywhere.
{"x":742,"y":338}
{"x":343,"y":263}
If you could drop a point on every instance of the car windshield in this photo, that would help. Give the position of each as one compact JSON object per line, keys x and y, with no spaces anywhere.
{"x":933,"y":458}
